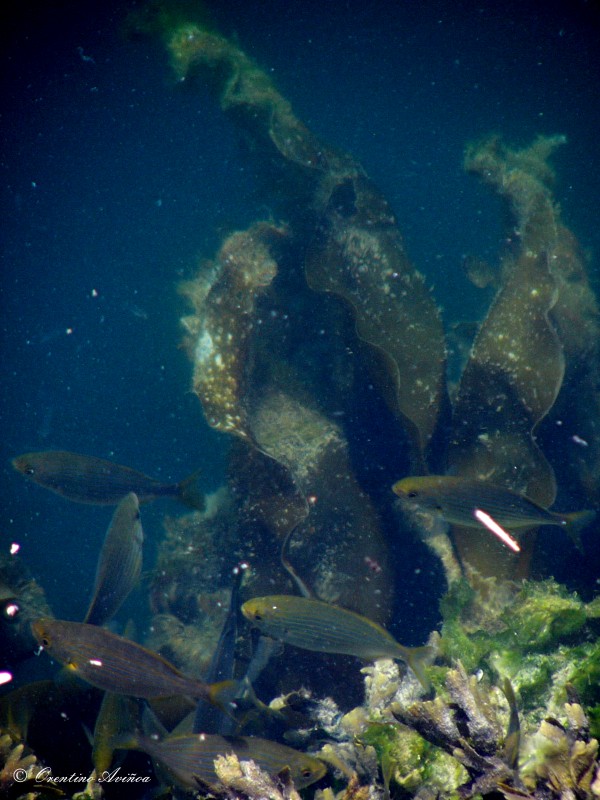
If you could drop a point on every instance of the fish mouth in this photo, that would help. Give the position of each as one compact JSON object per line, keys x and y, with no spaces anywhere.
{"x":397,"y":489}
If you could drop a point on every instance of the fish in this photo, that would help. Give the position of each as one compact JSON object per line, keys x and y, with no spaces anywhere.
{"x":190,"y":758}
{"x":456,"y":500}
{"x":209,"y":719}
{"x":115,"y":664}
{"x":87,"y":479}
{"x":119,"y":563}
{"x":324,"y":628}
{"x":116,"y":716}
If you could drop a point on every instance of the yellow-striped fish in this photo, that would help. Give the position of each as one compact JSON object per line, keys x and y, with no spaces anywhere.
{"x":456,"y":500}
{"x":116,"y":717}
{"x":325,"y":628}
{"x":120,"y":562}
{"x":118,"y":665}
{"x":190,"y":759}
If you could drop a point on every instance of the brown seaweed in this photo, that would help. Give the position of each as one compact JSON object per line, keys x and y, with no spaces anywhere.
{"x":358,"y":255}
{"x":289,"y":458}
{"x":538,"y":327}
{"x":356,"y":252}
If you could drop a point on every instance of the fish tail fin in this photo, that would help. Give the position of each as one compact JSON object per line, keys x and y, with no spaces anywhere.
{"x":576,"y":522}
{"x":189,"y":492}
{"x":417,"y":659}
{"x":223,"y":695}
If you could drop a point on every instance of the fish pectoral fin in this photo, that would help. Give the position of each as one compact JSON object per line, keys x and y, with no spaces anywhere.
{"x":223,"y":695}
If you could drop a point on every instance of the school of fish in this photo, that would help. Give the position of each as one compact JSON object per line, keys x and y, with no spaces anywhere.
{"x":123,"y":669}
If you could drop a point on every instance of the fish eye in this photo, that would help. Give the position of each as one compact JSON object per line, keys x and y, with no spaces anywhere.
{"x":257,"y":616}
{"x":411,"y":494}
{"x":45,"y":641}
{"x":306,"y":772}
{"x":29,"y":470}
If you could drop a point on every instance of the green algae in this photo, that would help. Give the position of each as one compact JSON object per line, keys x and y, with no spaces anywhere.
{"x":541,"y":638}
{"x":535,"y":616}
{"x":537,"y":634}
{"x":586,"y":682}
{"x":410,"y":760}
{"x":544,"y":614}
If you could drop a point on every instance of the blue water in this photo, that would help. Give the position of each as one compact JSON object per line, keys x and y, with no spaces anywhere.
{"x":116,"y":181}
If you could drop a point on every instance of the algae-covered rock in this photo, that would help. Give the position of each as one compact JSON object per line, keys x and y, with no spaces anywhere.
{"x":562,"y":758}
{"x":224,"y":296}
{"x":343,"y":528}
{"x":473,"y":738}
{"x":537,"y":634}
{"x":247,"y":781}
{"x":196,"y":554}
{"x":190,"y":584}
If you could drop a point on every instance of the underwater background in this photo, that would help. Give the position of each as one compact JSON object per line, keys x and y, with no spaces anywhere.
{"x":118,"y":180}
